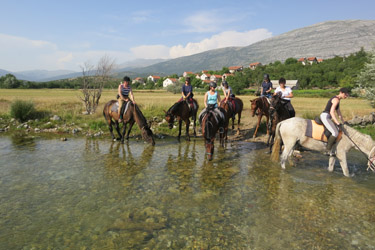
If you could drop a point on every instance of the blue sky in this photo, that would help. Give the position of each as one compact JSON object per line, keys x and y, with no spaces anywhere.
{"x":54,"y":35}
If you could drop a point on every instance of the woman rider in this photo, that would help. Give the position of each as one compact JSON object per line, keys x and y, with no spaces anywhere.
{"x":328,"y":117}
{"x":187,"y":91}
{"x":286,"y":94}
{"x":266,"y":86}
{"x":228,"y":95}
{"x":124,"y":90}
{"x":211,"y":98}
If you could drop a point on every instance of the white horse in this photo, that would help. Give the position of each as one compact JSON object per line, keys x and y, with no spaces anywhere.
{"x":293,"y":130}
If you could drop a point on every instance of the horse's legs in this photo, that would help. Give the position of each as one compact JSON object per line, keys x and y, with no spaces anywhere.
{"x":110,"y":126}
{"x":131,"y":123}
{"x":123,"y":132}
{"x":288,"y":150}
{"x":232,"y":122}
{"x":179,"y":129}
{"x":194,"y":122}
{"x":187,"y":121}
{"x":117,"y":126}
{"x":341,"y":156}
{"x":268,"y":119}
{"x":331,"y":163}
{"x":238,"y":122}
{"x":256,"y":129}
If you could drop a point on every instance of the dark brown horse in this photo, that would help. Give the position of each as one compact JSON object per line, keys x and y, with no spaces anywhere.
{"x":231,"y":112}
{"x":260,"y":107}
{"x":210,"y":126}
{"x":278,"y":112}
{"x":132,"y":114}
{"x":182,"y":112}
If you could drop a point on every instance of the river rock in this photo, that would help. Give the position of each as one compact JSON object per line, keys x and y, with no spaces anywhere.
{"x":56,"y":118}
{"x":36,"y":130}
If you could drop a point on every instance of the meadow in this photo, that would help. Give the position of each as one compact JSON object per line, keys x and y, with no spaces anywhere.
{"x":66,"y":104}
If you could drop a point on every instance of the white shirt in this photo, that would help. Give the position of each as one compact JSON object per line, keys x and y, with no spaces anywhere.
{"x":286,"y":92}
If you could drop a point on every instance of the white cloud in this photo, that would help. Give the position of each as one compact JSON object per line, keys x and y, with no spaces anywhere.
{"x":221,"y":40}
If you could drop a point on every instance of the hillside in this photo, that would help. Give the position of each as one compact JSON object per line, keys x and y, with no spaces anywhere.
{"x":323,"y":40}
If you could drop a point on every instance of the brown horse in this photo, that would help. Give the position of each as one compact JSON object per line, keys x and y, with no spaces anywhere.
{"x":132,"y":114}
{"x":182,"y":112}
{"x":231,"y":112}
{"x":210,"y":124}
{"x":278,"y":112}
{"x":260,"y":107}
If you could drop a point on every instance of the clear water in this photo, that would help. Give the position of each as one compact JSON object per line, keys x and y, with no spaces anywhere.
{"x":95,"y":194}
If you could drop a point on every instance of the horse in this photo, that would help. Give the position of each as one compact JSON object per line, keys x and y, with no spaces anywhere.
{"x":260,"y":107}
{"x":182,"y":111}
{"x":210,"y":125}
{"x":231,"y":112}
{"x":131,"y":115}
{"x":278,"y":112}
{"x":293,"y":130}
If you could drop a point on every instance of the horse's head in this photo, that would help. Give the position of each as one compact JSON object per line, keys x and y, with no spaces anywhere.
{"x":276,"y":101}
{"x":169,"y":117}
{"x":147,"y":134}
{"x":254,"y":106}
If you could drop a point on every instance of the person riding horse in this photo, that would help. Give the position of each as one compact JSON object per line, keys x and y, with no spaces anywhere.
{"x":124,"y":90}
{"x":229,"y":96}
{"x":211,"y":99}
{"x":329,"y":119}
{"x":266,"y":86}
{"x":187,"y":94}
{"x":286,"y":93}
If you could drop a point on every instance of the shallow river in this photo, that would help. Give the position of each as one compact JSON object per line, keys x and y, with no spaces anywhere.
{"x":96,"y":194}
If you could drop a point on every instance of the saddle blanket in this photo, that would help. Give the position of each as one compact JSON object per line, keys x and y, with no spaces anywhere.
{"x":316,"y":131}
{"x":116,"y":106}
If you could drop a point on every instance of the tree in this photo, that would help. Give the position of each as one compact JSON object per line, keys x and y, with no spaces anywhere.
{"x":9,"y":81}
{"x":93,"y":82}
{"x":366,"y":81}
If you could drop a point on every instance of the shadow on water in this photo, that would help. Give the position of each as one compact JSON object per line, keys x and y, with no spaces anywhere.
{"x":97,"y":194}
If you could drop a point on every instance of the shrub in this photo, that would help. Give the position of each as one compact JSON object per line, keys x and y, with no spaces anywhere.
{"x":22,"y":110}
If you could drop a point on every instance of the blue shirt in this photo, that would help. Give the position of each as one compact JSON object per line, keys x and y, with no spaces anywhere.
{"x":186,"y":89}
{"x":212,"y":99}
{"x":266,"y":86}
{"x":125,"y":91}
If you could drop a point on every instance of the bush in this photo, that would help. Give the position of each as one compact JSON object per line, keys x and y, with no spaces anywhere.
{"x":22,"y":110}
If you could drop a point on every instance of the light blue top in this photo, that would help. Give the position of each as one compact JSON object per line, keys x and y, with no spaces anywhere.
{"x":212,"y":99}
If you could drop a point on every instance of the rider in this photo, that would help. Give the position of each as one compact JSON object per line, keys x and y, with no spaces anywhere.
{"x":228,"y":94}
{"x":187,"y":93}
{"x":124,"y":90}
{"x":286,"y":94}
{"x":329,"y":119}
{"x":266,"y":86}
{"x":211,"y":98}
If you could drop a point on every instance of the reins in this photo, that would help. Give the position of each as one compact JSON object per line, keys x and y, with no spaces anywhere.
{"x":371,"y":164}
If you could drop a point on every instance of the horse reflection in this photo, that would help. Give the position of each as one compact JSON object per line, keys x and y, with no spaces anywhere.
{"x":182,"y":166}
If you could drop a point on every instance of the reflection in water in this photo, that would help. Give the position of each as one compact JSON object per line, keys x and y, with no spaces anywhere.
{"x":96,"y":194}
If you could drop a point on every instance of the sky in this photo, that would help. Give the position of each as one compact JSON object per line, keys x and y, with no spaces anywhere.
{"x":65,"y":35}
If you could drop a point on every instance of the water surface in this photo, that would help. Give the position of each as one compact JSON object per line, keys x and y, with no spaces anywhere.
{"x":97,"y":194}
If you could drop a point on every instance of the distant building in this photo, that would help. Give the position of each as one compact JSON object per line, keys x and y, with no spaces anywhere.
{"x":254,"y":65}
{"x":225,"y":75}
{"x":205,"y":76}
{"x":302,"y":60}
{"x":215,"y":78}
{"x":293,"y":84}
{"x":233,"y":69}
{"x":138,"y":79}
{"x":320,"y":60}
{"x":312,"y":60}
{"x":153,"y":78}
{"x":169,"y":81}
{"x":186,"y":73}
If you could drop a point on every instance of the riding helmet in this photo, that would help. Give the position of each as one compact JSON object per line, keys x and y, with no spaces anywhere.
{"x":266,"y":76}
{"x":213,"y":84}
{"x":126,"y":79}
{"x":225,"y":84}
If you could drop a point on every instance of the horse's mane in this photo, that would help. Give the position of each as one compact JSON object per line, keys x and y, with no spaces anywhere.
{"x":362,"y":140}
{"x":174,"y":108}
{"x":139,"y":117}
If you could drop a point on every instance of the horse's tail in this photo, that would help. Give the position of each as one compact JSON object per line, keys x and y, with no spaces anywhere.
{"x":276,"y":146}
{"x":106,"y":108}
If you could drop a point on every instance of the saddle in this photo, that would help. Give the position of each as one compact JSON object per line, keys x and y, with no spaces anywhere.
{"x":217,"y":112}
{"x":316,"y":130}
{"x":124,"y":107}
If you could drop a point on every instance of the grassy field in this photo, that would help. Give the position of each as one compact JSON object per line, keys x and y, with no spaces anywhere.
{"x":66,"y":104}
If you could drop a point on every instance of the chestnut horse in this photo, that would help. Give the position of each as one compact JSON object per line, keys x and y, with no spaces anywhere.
{"x":260,"y":107}
{"x":210,"y":124}
{"x":132,"y":114}
{"x":182,"y":112}
{"x":231,"y":112}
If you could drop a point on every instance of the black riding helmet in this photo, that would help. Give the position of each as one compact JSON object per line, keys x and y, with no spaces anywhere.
{"x":225,"y":84}
{"x":126,"y":79}
{"x":213,"y":84}
{"x":187,"y":79}
{"x":266,"y":76}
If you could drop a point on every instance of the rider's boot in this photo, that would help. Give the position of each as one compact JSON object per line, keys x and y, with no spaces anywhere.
{"x":331,"y":141}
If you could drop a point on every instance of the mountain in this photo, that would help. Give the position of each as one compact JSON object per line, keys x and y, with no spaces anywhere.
{"x":138,"y":63}
{"x":40,"y":75}
{"x":322,"y":40}
{"x":4,"y":72}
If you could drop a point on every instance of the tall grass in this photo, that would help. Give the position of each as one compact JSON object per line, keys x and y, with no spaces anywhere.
{"x":22,"y":110}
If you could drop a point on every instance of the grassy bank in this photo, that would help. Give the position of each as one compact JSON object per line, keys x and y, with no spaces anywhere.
{"x":66,"y":104}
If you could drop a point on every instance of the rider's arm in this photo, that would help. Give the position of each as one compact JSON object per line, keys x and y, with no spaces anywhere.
{"x":335,"y":102}
{"x":290,"y":95}
{"x":132,"y":96}
{"x":340,"y":115}
{"x":218,"y":97}
{"x":205,"y":100}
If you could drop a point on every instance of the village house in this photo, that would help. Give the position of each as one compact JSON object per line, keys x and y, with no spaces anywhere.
{"x":312,"y":60}
{"x":186,"y":73}
{"x":138,"y":79}
{"x":225,"y":75}
{"x":320,"y":60}
{"x":254,"y":65}
{"x":169,"y":81}
{"x":215,"y":78}
{"x":153,"y":78}
{"x":302,"y":60}
{"x":293,"y":84}
{"x":205,"y":76}
{"x":233,"y":69}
